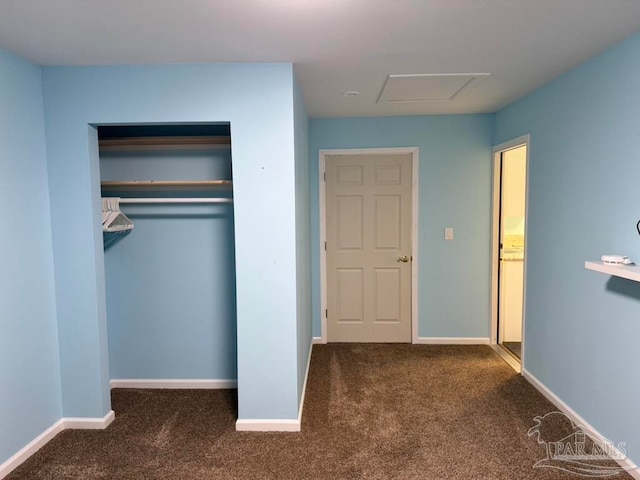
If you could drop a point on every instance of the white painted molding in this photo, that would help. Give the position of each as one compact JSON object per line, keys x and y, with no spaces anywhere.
{"x":509,"y":360}
{"x":41,"y":440}
{"x":174,"y":384}
{"x":452,"y":340}
{"x":415,"y":251}
{"x":322,"y":207}
{"x":319,"y":340}
{"x":630,"y":467}
{"x":32,"y":447}
{"x":89,"y":423}
{"x":277,"y":425}
{"x":304,"y":388}
{"x":267,"y":425}
{"x":513,"y":143}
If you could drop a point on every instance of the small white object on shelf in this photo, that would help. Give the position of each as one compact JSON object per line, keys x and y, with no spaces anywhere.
{"x":616,"y":260}
{"x":630,"y":272}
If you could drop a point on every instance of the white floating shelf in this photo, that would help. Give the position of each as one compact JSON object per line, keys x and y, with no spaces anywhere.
{"x":630,"y":272}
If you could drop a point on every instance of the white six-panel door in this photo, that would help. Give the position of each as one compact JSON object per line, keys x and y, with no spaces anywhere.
{"x":368,"y":229}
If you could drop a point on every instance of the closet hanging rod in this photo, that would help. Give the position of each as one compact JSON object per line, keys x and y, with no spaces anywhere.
{"x":176,"y":200}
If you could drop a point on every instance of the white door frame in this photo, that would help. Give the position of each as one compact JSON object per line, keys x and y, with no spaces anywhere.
{"x":414,"y":228}
{"x":495,"y":247}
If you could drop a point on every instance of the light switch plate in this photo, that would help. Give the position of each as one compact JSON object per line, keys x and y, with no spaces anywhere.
{"x":448,"y":233}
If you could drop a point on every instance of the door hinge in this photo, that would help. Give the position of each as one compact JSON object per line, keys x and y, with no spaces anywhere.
{"x":324,"y":176}
{"x":325,"y":246}
{"x":326,"y":313}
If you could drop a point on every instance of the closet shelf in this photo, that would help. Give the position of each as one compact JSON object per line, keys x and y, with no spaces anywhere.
{"x":164,"y":143}
{"x":166,"y":185}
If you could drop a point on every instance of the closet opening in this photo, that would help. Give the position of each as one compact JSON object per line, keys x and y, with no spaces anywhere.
{"x":170,"y":279}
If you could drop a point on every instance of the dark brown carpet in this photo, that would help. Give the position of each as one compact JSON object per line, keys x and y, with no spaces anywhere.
{"x":371,"y":412}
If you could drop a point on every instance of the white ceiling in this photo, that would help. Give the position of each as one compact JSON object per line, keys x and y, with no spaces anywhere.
{"x":336,"y":45}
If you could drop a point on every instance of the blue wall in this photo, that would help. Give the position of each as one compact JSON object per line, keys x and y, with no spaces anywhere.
{"x":303,"y":232}
{"x":30,"y":398}
{"x":171,"y":282}
{"x":582,"y":327}
{"x":257,"y":100}
{"x":454,"y":191}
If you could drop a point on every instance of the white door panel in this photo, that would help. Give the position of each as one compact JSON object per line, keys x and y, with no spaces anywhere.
{"x":368,"y":229}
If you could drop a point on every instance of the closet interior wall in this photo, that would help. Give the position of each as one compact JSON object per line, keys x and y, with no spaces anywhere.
{"x":170,"y":282}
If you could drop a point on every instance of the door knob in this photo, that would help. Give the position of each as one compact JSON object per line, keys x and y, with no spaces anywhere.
{"x":404,"y":259}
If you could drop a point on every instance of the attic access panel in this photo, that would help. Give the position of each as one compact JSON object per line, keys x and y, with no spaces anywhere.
{"x":425,"y":87}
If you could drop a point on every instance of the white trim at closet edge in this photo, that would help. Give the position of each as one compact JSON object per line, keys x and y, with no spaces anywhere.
{"x":193,"y":384}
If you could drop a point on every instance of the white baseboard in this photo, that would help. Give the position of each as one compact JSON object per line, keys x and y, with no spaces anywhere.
{"x":452,"y":340}
{"x":304,"y":387}
{"x":267,"y":425}
{"x":32,"y":447}
{"x":277,"y":425}
{"x":89,"y":423}
{"x":630,"y":467}
{"x":174,"y":384}
{"x":41,"y":440}
{"x":318,"y":340}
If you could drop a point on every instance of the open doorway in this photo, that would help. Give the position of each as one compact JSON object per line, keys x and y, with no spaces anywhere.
{"x":509,"y":228}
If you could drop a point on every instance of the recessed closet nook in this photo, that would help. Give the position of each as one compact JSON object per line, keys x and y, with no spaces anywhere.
{"x":170,"y":279}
